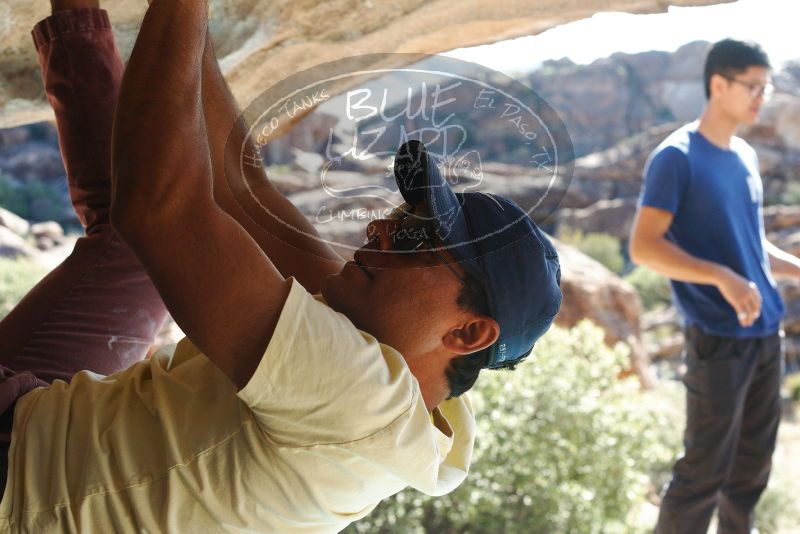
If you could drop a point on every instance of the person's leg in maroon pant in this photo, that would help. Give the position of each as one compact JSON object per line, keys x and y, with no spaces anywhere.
{"x":98,"y":310}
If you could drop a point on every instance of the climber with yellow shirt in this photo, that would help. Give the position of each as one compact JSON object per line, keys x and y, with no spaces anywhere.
{"x":307,"y":388}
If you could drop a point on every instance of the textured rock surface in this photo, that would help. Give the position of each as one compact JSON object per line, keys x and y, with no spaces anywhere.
{"x":781,"y":217}
{"x":47,"y":234}
{"x":13,"y":245}
{"x":787,"y":240}
{"x":593,"y":292}
{"x":14,"y":222}
{"x":613,"y":217}
{"x":262,"y":41}
{"x":624,"y":94}
{"x":783,"y":116}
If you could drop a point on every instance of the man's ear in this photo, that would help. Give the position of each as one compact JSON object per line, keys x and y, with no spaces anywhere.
{"x":475,"y":334}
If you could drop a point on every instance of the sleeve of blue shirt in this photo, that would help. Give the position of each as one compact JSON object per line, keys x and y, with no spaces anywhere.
{"x":666,"y":177}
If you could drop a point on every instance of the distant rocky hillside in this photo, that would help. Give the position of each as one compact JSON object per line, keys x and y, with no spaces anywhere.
{"x":626,"y":94}
{"x":623,"y":95}
{"x":32,"y":181}
{"x":616,"y":110}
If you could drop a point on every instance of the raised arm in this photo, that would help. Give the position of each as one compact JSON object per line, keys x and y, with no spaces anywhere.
{"x":214,"y":279}
{"x":307,"y":259}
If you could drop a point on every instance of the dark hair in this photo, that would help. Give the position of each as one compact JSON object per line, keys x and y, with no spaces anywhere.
{"x":729,"y":57}
{"x":463,"y":371}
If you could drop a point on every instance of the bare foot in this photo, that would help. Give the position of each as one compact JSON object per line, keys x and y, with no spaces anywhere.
{"x":64,"y":5}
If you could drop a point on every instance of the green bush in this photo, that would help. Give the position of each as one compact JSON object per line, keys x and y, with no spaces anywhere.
{"x":563,"y":446}
{"x":790,"y":194}
{"x":34,"y":200}
{"x":792,"y":384}
{"x":652,"y":287}
{"x":11,"y":196}
{"x":16,"y":278}
{"x":604,"y":248}
{"x":777,"y":511}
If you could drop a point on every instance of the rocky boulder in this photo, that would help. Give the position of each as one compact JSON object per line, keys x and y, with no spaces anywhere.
{"x":778,"y":218}
{"x":616,"y":97}
{"x":47,"y":234}
{"x":592,"y":291}
{"x":14,"y":222}
{"x":779,"y":123}
{"x":787,"y":240}
{"x":263,"y":41}
{"x":614,"y":217}
{"x":14,"y":246}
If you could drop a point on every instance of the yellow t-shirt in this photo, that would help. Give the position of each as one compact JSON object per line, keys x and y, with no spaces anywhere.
{"x":331,"y":423}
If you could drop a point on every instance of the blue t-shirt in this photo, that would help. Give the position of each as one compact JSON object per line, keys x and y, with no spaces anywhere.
{"x":716,"y":197}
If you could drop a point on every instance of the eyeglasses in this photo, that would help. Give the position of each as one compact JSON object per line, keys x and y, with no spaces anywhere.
{"x":756,"y":89}
{"x":414,"y":232}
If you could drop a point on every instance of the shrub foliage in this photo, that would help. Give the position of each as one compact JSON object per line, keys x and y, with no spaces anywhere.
{"x":16,"y":278}
{"x":605,"y":248}
{"x":652,"y":287}
{"x":563,"y":446}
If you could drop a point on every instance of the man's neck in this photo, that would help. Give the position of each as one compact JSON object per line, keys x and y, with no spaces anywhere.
{"x":717,"y":127}
{"x":430,"y":374}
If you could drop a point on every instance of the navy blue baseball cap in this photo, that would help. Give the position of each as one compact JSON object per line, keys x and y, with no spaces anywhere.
{"x":498,"y":244}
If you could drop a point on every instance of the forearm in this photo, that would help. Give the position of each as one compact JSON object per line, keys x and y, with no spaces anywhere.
{"x":227,"y":133}
{"x":159,"y":147}
{"x":282,"y":232}
{"x":234,"y":184}
{"x":675,"y":263}
{"x":782,"y":263}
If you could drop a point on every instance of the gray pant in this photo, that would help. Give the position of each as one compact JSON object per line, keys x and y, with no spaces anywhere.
{"x":733,"y":408}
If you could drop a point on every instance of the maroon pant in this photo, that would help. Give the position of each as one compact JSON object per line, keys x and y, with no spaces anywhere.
{"x":98,"y":310}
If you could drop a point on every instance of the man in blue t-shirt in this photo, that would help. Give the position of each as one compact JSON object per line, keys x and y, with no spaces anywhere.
{"x":700,"y":223}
